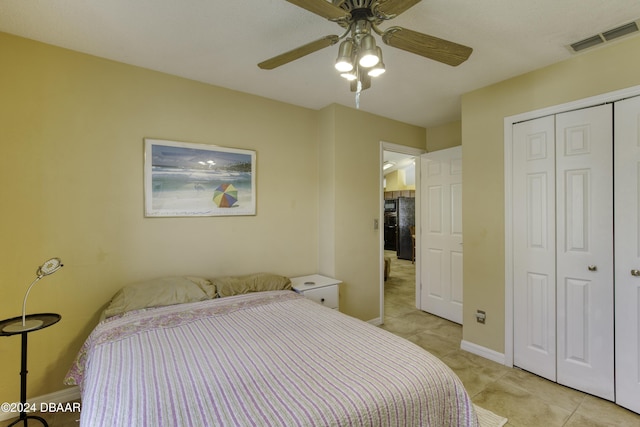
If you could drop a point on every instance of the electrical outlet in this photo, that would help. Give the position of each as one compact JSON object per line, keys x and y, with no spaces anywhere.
{"x":481,"y":316}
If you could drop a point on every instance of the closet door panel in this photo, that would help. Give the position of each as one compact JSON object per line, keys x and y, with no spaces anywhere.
{"x":584,"y":250}
{"x":627,"y":238}
{"x":534,"y":247}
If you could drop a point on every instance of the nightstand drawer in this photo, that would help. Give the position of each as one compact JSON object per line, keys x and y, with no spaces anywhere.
{"x":327,"y":296}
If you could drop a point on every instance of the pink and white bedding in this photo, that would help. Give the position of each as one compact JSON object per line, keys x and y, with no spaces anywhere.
{"x":261,"y":359}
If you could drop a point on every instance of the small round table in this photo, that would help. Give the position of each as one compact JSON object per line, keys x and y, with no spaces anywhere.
{"x":47,"y":320}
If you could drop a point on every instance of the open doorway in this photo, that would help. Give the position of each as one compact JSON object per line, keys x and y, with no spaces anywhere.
{"x":400,"y":210}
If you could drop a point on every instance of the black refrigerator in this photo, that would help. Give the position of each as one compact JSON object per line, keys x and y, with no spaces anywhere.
{"x":406,"y":212}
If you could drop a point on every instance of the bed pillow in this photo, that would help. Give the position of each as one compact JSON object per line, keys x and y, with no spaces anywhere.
{"x":155,"y":293}
{"x":235,"y":285}
{"x":204,"y":284}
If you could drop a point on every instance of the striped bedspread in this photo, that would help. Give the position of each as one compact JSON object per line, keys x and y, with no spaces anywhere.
{"x":263,"y":359}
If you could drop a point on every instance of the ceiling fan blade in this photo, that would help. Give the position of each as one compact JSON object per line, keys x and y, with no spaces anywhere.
{"x":323,"y":8}
{"x":394,"y":8}
{"x":298,"y":52}
{"x":431,"y":47}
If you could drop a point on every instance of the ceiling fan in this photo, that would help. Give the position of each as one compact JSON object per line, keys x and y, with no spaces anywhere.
{"x":358,"y":57}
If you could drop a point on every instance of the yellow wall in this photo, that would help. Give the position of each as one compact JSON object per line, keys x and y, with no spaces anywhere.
{"x":327,"y":190}
{"x":483,"y":112}
{"x":397,"y":181}
{"x":444,"y":136}
{"x":72,"y":129}
{"x":354,"y":191}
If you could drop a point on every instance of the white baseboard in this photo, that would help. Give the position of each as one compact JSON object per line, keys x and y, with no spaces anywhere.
{"x":487,"y":353}
{"x":62,"y":396}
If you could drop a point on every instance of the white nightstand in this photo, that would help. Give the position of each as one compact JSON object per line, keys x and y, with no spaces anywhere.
{"x":321,"y":289}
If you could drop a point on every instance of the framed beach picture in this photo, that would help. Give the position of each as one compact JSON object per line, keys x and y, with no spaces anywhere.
{"x":184,"y":179}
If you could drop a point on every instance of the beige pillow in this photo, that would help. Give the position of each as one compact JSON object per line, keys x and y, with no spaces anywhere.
{"x":235,"y":285}
{"x":205,"y":284}
{"x":155,"y":293}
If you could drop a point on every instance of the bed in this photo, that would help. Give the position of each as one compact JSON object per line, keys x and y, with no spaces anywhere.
{"x":268,"y":358}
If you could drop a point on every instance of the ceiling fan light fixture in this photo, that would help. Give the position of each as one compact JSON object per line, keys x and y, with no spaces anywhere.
{"x":368,"y":52}
{"x":344,"y":63}
{"x":359,"y":58}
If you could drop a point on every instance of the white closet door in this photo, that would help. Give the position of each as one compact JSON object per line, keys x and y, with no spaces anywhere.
{"x":627,"y":246}
{"x":584,"y":252}
{"x":441,"y":174}
{"x":534,"y":247}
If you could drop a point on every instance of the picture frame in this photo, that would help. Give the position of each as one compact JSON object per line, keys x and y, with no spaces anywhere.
{"x":183,"y":179}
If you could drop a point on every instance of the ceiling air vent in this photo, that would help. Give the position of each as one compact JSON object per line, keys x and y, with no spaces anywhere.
{"x":606,"y":36}
{"x":587,"y":43}
{"x":620,"y":31}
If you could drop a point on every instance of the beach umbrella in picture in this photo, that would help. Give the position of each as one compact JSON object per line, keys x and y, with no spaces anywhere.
{"x":225,"y":195}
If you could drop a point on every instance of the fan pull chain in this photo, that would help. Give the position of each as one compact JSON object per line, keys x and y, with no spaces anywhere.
{"x":358,"y":94}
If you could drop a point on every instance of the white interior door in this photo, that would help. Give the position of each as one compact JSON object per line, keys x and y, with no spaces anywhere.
{"x":584,"y":250}
{"x":534,"y":249}
{"x":627,"y":250}
{"x":441,"y":239}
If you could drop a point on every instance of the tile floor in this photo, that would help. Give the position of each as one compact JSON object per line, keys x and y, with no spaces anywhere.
{"x":523,"y":398}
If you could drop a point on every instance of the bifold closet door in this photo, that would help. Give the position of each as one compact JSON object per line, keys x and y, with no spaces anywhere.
{"x":584,"y":250}
{"x":627,"y":246}
{"x":563,"y":248}
{"x":534,"y":246}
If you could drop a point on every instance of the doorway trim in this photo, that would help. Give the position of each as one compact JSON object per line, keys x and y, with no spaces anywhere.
{"x":508,"y":200}
{"x":412,"y":151}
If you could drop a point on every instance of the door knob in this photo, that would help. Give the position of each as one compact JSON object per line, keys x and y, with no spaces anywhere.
{"x":592,"y":268}
{"x":635,"y":273}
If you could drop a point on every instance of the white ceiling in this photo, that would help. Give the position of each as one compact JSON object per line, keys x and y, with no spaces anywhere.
{"x":220,"y":42}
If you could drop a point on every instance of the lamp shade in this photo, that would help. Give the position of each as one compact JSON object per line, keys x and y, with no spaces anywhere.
{"x":368,"y":52}
{"x":49,"y":267}
{"x":344,"y":63}
{"x":379,"y":68}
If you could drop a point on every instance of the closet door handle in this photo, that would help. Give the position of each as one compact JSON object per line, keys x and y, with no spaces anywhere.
{"x":592,"y":268}
{"x":635,"y":273}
